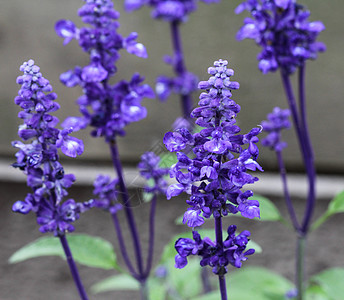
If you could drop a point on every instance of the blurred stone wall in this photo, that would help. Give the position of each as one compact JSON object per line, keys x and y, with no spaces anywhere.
{"x":27,"y":31}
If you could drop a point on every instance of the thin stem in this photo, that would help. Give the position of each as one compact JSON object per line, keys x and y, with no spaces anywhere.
{"x":300,"y":264}
{"x":292,"y":104}
{"x":302,"y":96}
{"x":127,"y":206}
{"x":287,"y":199}
{"x":223,"y":290}
{"x":122,"y":245}
{"x":179,"y":66}
{"x":151,"y":236}
{"x":219,"y":244}
{"x":309,"y":148}
{"x":305,"y":146}
{"x":73,"y":268}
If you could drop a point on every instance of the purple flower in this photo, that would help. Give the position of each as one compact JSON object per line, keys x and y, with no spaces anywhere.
{"x":233,"y":250}
{"x":105,"y":192}
{"x":39,"y":159}
{"x":94,"y":73}
{"x":67,"y":30}
{"x":107,"y":108}
{"x":215,"y":173}
{"x":133,"y":47}
{"x":69,"y":145}
{"x":178,"y":140}
{"x":192,"y":218}
{"x":282,"y":30}
{"x":167,"y":10}
{"x":221,"y":164}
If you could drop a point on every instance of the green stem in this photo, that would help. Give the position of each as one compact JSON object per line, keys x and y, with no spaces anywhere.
{"x":143,"y":290}
{"x":300,"y":265}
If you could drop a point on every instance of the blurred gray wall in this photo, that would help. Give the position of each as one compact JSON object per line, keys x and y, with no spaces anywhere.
{"x":27,"y":31}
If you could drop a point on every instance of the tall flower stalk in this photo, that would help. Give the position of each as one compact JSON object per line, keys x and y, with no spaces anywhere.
{"x":108,"y":109}
{"x":175,"y":12}
{"x":39,"y":160}
{"x":288,"y":40}
{"x":214,"y":175}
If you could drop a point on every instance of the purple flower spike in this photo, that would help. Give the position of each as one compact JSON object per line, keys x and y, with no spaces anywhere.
{"x":38,"y":158}
{"x":215,"y":173}
{"x":282,"y":30}
{"x":107,"y":108}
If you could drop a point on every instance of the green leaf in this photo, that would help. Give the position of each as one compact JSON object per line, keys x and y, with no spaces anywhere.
{"x":316,"y":292}
{"x":186,"y":281}
{"x":268,"y":210}
{"x":335,"y":206}
{"x":214,"y":295}
{"x":115,"y":283}
{"x":331,"y":282}
{"x":257,"y":283}
{"x":86,"y":250}
{"x":252,"y":283}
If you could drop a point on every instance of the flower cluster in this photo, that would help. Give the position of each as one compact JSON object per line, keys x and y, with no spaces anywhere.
{"x":39,"y":159}
{"x":282,"y":29}
{"x":220,"y":167}
{"x":108,"y":108}
{"x":233,"y":250}
{"x":105,"y":192}
{"x":151,"y":170}
{"x":277,"y":120}
{"x":167,"y":10}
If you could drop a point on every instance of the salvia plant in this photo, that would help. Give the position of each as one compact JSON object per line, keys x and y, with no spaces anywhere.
{"x":212,"y":161}
{"x":39,"y":160}
{"x":287,"y":40}
{"x":108,"y":109}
